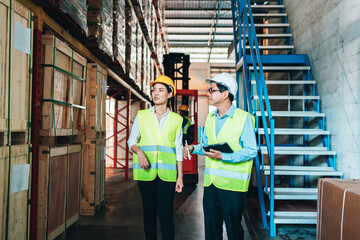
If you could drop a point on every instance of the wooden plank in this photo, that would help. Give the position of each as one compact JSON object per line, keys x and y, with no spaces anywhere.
{"x":63,"y":88}
{"x":95,"y":100}
{"x":59,"y":173}
{"x":93,"y":176}
{"x":18,"y":217}
{"x":18,"y":202}
{"x":57,"y":192}
{"x":73,"y":185}
{"x":4,"y":165}
{"x":17,"y":93}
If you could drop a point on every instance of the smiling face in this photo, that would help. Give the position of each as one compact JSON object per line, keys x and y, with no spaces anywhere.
{"x":160,"y":94}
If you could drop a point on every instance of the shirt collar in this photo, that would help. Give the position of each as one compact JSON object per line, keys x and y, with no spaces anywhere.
{"x":152,"y":109}
{"x":229,"y":113}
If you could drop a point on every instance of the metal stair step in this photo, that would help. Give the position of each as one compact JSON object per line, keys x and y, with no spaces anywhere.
{"x":295,"y":131}
{"x":270,"y":6}
{"x":269,"y":15}
{"x":274,"y":47}
{"x":293,"y":114}
{"x":282,"y":68}
{"x":293,"y":193}
{"x":282,"y":217}
{"x":301,"y":170}
{"x":273,"y":35}
{"x":269,"y":25}
{"x":322,"y":151}
{"x":285,"y":82}
{"x":286,"y":97}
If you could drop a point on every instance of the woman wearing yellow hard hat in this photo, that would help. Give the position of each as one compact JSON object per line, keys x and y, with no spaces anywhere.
{"x":156,"y":140}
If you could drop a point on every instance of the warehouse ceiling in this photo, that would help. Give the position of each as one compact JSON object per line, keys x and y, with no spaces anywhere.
{"x":198,"y":28}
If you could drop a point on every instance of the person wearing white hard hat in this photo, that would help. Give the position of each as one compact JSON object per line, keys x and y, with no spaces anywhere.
{"x":156,"y":141}
{"x":227,"y":175}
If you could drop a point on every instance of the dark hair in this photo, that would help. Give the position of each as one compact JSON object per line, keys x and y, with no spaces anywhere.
{"x":169,"y":90}
{"x":222,"y":88}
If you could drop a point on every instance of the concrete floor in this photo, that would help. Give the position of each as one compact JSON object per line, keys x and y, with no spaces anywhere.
{"x":121,"y":217}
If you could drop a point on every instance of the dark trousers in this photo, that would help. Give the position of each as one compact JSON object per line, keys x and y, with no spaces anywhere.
{"x":223,"y":205}
{"x":158,"y":199}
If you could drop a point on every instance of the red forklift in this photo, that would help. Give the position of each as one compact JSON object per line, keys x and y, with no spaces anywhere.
{"x":176,"y":66}
{"x":190,"y":166}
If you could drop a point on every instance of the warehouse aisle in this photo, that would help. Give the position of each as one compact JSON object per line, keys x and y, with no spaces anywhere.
{"x":121,"y":218}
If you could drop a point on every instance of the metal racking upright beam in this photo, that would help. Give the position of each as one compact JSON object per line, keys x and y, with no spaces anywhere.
{"x":116,"y":132}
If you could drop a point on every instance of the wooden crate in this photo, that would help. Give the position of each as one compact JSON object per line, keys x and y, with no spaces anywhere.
{"x":63,"y":96}
{"x":95,"y":101}
{"x":15,"y":73}
{"x":93,"y":176}
{"x":14,"y":208}
{"x":59,"y":189}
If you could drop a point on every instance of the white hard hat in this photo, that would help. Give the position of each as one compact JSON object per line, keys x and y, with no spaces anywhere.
{"x":227,"y":80}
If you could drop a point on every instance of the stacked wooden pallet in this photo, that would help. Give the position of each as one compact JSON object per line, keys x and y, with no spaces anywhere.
{"x":15,"y":148}
{"x":93,"y":175}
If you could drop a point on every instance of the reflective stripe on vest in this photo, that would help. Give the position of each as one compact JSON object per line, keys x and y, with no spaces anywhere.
{"x":228,"y":176}
{"x":159,"y":148}
{"x":187,"y":125}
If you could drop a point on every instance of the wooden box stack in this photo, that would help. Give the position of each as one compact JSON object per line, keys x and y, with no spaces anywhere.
{"x":119,"y":32}
{"x":15,"y":104}
{"x":62,"y":132}
{"x":139,"y":57}
{"x":100,"y":24}
{"x":93,"y":174}
{"x":131,"y":41}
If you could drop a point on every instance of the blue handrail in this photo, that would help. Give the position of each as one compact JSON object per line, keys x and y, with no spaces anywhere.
{"x":245,"y":34}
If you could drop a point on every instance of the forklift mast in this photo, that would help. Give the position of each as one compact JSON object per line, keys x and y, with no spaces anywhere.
{"x":176,"y":66}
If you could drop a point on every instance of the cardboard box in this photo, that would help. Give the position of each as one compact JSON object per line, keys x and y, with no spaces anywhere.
{"x":338,"y":209}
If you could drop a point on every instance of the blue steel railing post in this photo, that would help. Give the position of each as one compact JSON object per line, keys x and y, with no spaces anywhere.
{"x":291,"y":157}
{"x":262,"y":91}
{"x":272,"y":180}
{"x":306,"y":137}
{"x":244,"y":26}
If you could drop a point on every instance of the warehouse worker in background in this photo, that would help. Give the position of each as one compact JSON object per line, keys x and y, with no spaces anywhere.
{"x":184,"y":112}
{"x":156,"y":140}
{"x":227,"y":175}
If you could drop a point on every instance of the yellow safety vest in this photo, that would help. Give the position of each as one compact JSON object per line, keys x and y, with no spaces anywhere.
{"x":187,"y":125}
{"x":228,"y":176}
{"x":159,"y":148}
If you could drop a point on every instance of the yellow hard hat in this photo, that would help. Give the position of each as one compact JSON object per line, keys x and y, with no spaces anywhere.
{"x":183,"y":108}
{"x":165,"y":80}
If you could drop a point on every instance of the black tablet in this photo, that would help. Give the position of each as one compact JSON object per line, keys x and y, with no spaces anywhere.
{"x":222,"y":147}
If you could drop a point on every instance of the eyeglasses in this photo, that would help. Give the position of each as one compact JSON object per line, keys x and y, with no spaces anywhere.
{"x":211,"y":90}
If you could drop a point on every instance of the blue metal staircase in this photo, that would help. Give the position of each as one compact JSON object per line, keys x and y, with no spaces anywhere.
{"x":279,"y":88}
